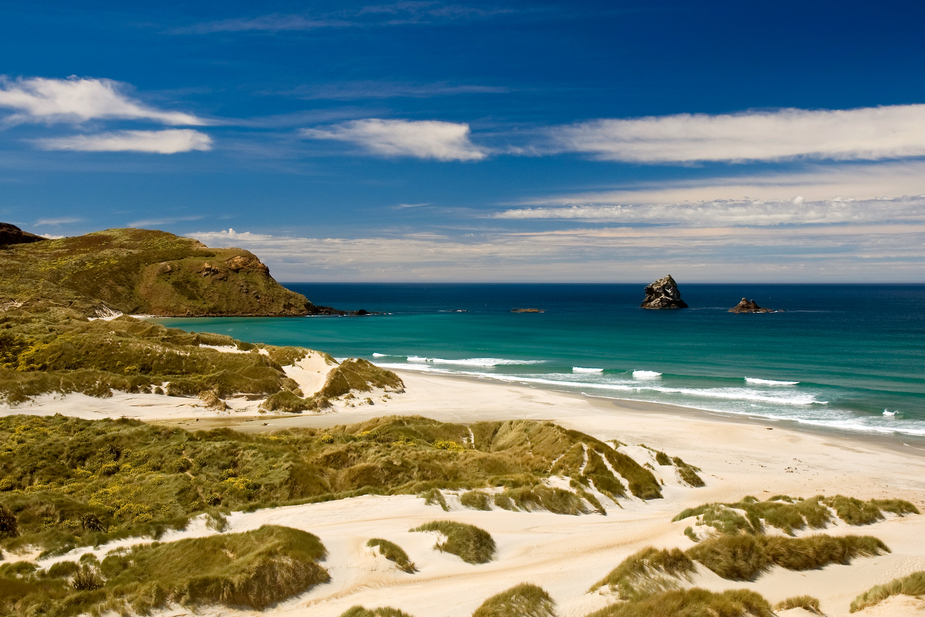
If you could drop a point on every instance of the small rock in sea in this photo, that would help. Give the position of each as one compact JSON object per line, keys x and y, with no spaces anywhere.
{"x":663,"y":294}
{"x":528,"y":310}
{"x":749,"y":306}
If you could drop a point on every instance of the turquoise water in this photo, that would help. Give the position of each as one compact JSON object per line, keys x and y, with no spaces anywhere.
{"x":849,"y":357}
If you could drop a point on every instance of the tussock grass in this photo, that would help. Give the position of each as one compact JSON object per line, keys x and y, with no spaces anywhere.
{"x":743,"y":557}
{"x":476,"y":500}
{"x":393,"y":553}
{"x":255,"y":569}
{"x":67,"y":482}
{"x":788,"y":514}
{"x":523,"y":600}
{"x":382,"y":611}
{"x":693,"y":602}
{"x":688,"y":473}
{"x":647,"y":572}
{"x":434,"y":497}
{"x":468,"y":542}
{"x":912,"y":585}
{"x":807,"y":603}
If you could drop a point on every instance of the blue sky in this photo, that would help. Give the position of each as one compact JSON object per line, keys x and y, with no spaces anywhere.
{"x":476,"y":141}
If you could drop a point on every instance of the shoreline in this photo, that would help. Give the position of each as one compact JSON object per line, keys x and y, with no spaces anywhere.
{"x":566,"y":554}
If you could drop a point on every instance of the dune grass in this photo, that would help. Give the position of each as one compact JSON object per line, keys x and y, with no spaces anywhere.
{"x":788,"y":514}
{"x":58,"y":351}
{"x":524,"y":600}
{"x":255,"y":569}
{"x":468,"y":542}
{"x":382,"y":611}
{"x":693,"y":602}
{"x":68,"y":482}
{"x":912,"y":585}
{"x":743,"y":557}
{"x":476,"y":500}
{"x":647,"y":572}
{"x":393,"y":553}
{"x":807,"y":603}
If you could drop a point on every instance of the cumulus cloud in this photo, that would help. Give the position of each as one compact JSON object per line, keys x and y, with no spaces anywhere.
{"x":169,"y":141}
{"x":857,"y":134}
{"x":426,"y":139}
{"x":76,"y":100}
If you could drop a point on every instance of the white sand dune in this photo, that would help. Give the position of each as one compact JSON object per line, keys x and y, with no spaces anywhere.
{"x":566,"y":554}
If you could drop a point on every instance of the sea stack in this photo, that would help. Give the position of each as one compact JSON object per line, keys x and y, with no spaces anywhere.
{"x":749,"y":306}
{"x":663,"y":294}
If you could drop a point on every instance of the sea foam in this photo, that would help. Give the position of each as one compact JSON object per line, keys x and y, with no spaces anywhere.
{"x":477,"y":362}
{"x":646,"y":375}
{"x":581,"y":369}
{"x":769,"y":382}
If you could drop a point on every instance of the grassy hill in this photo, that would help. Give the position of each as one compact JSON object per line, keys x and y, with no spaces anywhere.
{"x":143,"y":271}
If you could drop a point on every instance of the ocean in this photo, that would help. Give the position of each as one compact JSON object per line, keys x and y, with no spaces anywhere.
{"x":847,"y":357}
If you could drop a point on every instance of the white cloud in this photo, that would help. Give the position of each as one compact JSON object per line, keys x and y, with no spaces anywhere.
{"x":885,"y":253}
{"x":160,"y":142}
{"x":857,"y":134}
{"x":78,"y":100}
{"x":825,"y":194}
{"x":426,"y":139}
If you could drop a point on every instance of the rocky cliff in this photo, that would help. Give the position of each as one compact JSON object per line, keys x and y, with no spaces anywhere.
{"x":663,"y":294}
{"x":143,"y":271}
{"x":11,"y":234}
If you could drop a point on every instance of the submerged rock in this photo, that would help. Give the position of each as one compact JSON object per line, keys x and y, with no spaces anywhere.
{"x":663,"y":294}
{"x":528,"y":310}
{"x":749,"y":306}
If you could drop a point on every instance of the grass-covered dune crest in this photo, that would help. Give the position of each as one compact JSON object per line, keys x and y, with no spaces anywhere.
{"x":70,"y":482}
{"x":254,"y":569}
{"x":59,"y":351}
{"x":143,"y":271}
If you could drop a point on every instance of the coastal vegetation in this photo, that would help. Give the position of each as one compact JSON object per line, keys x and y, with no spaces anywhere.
{"x":524,"y":600}
{"x":694,"y":602}
{"x":67,"y":482}
{"x":912,"y":585}
{"x":142,"y":271}
{"x":743,"y":557}
{"x":382,"y":611}
{"x":59,"y":351}
{"x":468,"y":542}
{"x":393,"y":553}
{"x":790,"y":514}
{"x":807,"y":603}
{"x":647,"y":572}
{"x":254,"y":569}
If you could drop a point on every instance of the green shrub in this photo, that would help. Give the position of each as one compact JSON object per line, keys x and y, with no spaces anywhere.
{"x":393,"y":553}
{"x":468,"y":542}
{"x":524,"y":600}
{"x":912,"y":585}
{"x":286,"y":401}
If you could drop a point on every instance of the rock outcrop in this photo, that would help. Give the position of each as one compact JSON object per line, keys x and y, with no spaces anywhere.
{"x":663,"y":294}
{"x":11,"y":234}
{"x":749,"y":306}
{"x":528,"y":310}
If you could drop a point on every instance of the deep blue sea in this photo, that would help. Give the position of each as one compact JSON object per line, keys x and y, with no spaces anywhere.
{"x":848,"y":357}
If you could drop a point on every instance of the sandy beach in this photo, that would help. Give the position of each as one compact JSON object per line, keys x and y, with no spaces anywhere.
{"x":564,"y":554}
